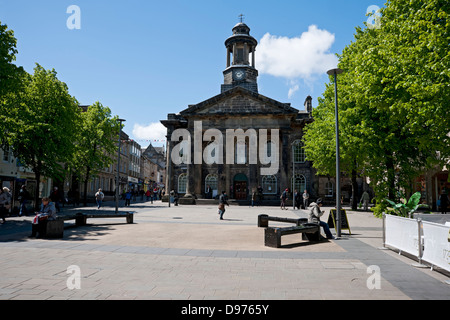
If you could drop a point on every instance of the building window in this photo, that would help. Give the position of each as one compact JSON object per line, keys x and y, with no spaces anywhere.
{"x":269,"y":184}
{"x":212,"y":181}
{"x":240,"y":154}
{"x":299,"y":183}
{"x":6,"y":154}
{"x":299,"y":152}
{"x":329,"y":189}
{"x":182,"y":183}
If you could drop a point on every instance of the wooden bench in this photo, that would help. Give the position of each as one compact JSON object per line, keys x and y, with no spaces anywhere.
{"x":263,"y":220}
{"x":272,"y":236}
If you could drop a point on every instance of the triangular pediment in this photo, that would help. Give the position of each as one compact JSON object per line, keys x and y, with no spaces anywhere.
{"x":239,"y":101}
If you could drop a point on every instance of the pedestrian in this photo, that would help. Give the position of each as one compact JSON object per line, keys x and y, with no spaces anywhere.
{"x":47,"y":212}
{"x":55,"y":197}
{"x":222,"y":202}
{"x":314,"y":217}
{"x":128,"y":196}
{"x":5,"y":203}
{"x":365,"y":200}
{"x":23,"y":197}
{"x":147,"y":194}
{"x":254,"y":195}
{"x":305,"y":199}
{"x":283,"y":198}
{"x":297,"y":200}
{"x":99,"y":198}
{"x":444,"y":202}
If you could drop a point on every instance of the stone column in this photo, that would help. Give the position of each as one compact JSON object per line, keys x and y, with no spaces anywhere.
{"x":228,"y":56}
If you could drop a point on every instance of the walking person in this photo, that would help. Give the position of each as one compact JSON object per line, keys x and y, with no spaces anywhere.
{"x":283,"y":199}
{"x":444,"y":202}
{"x":99,"y":198}
{"x":314,"y":217}
{"x":24,"y":195}
{"x":305,"y":199}
{"x":222,"y":202}
{"x":5,"y":203}
{"x":55,"y":197}
{"x":365,"y":200}
{"x":128,"y":196}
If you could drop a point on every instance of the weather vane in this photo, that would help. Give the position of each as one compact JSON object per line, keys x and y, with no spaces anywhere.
{"x":241,"y":17}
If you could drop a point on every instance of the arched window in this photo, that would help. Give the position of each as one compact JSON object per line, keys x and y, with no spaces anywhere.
{"x":299,"y":183}
{"x":182,"y":183}
{"x":298,"y":152}
{"x":269,"y":184}
{"x":211,"y":180}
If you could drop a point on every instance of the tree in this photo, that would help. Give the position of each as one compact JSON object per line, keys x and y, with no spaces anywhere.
{"x":10,"y":79}
{"x":393,"y":98}
{"x":45,"y":119}
{"x":96,"y":143}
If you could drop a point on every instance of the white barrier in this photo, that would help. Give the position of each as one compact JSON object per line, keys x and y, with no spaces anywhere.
{"x":402,"y":233}
{"x":436,"y":244}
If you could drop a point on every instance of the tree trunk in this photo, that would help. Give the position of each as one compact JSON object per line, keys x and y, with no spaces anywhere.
{"x":354,"y":191}
{"x":86,"y":179}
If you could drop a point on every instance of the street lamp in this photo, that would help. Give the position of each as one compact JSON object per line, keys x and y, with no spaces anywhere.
{"x":118,"y":166}
{"x":335,"y":72}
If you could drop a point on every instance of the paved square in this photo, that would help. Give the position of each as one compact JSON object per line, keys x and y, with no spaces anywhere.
{"x":187,"y":253}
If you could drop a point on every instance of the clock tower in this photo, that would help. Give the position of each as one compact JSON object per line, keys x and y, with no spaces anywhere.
{"x":240,"y":71}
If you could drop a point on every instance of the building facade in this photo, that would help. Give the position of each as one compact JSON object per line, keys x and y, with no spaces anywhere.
{"x":240,"y":140}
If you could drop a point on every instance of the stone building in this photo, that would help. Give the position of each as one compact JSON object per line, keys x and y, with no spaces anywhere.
{"x":236,"y":169}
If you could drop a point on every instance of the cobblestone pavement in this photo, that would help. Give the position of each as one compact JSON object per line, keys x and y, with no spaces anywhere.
{"x":187,"y":253}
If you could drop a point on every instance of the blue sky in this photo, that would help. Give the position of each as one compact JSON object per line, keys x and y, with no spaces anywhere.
{"x":145,"y":59}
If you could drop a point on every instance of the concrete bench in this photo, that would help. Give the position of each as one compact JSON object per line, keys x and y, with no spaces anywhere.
{"x":81,"y":218}
{"x":55,"y":228}
{"x":263,"y":220}
{"x":272,"y":236}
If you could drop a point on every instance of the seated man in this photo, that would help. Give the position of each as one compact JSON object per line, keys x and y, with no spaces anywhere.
{"x":314,"y":217}
{"x":48,"y":212}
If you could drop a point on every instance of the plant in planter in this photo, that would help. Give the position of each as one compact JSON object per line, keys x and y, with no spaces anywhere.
{"x":405,"y":208}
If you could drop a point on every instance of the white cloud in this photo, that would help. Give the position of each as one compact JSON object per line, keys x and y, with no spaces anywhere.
{"x":294,"y":88}
{"x":154,"y":133}
{"x":304,"y":57}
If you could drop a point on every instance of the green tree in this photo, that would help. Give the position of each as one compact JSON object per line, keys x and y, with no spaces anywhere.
{"x":393,"y":98}
{"x":10,"y":79}
{"x":45,"y":119}
{"x":96,"y":143}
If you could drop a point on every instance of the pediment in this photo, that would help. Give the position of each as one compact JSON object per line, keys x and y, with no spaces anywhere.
{"x":239,"y":101}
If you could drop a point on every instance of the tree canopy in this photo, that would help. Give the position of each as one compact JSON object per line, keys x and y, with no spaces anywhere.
{"x":393,"y":98}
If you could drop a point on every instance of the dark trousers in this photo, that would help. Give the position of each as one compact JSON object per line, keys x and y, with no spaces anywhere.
{"x":39,"y":229}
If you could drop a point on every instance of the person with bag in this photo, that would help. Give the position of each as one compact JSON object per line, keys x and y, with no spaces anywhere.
{"x":222,"y":202}
{"x":48,"y":212}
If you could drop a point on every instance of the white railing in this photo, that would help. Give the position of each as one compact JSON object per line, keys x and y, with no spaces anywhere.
{"x":404,"y":234}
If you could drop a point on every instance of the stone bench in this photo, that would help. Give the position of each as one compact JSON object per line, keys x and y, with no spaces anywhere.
{"x":81,"y":219}
{"x":272,"y":236}
{"x":263,"y":220}
{"x":55,"y":228}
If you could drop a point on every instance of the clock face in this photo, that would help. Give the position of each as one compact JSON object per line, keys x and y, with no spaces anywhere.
{"x":239,"y":74}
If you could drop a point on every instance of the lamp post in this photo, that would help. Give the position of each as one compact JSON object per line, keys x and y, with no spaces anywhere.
{"x":118,"y":166}
{"x":335,"y":72}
